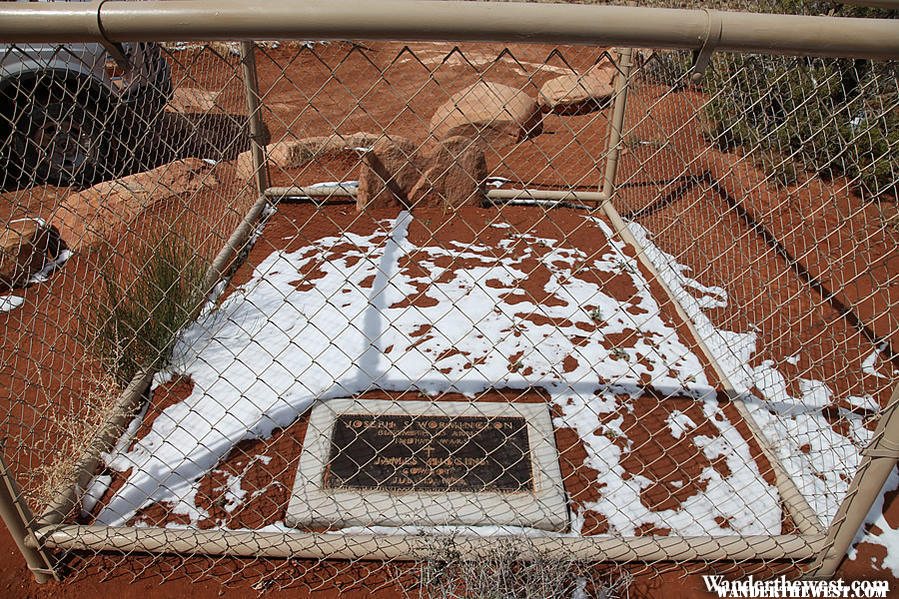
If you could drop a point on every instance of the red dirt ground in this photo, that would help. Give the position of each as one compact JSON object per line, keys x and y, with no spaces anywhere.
{"x":363,"y":88}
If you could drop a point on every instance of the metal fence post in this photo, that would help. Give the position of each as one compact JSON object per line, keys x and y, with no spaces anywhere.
{"x":257,"y":127}
{"x":878,"y":461}
{"x":18,"y":518}
{"x":616,"y":125}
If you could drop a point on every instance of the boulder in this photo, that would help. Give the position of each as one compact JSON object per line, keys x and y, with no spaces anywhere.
{"x":579,"y":94}
{"x":498,"y":114}
{"x":454,"y":176}
{"x":293,"y":153}
{"x":26,"y":244}
{"x":389,"y":171}
{"x":96,"y":213}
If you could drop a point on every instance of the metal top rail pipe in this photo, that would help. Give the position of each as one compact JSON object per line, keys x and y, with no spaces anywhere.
{"x":202,"y":20}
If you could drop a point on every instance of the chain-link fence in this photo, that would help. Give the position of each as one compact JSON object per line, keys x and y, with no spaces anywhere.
{"x":432,"y":317}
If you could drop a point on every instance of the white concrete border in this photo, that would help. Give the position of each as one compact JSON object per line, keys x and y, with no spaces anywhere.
{"x":313,"y":506}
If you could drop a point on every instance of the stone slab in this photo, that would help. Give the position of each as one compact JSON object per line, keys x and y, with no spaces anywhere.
{"x":422,"y":463}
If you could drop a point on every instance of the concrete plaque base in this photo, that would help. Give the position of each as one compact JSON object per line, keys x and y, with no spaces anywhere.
{"x":386,"y":463}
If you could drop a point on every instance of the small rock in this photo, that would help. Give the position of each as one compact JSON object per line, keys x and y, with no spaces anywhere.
{"x":25,"y":246}
{"x":498,"y":114}
{"x":94,"y":214}
{"x":579,"y":94}
{"x":389,"y":171}
{"x":455,"y":174}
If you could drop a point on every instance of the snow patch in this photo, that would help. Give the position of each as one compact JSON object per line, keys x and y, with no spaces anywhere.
{"x":94,"y":492}
{"x":10,"y":302}
{"x":679,"y":423}
{"x":819,"y":460}
{"x":888,"y":537}
{"x":869,"y":363}
{"x":336,"y":184}
{"x":865,"y":402}
{"x":50,"y":267}
{"x":269,"y":350}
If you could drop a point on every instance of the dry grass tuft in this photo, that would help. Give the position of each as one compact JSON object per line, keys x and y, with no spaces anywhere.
{"x":69,"y":438}
{"x":504,"y":573}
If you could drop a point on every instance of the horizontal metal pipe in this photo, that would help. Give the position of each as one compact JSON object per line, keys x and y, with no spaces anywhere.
{"x":547,"y":194}
{"x":63,"y":22}
{"x":323,"y":191}
{"x":308,"y":545}
{"x":543,"y":204}
{"x":199,"y":20}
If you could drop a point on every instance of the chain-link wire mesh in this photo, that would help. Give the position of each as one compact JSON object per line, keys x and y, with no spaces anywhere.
{"x":434,"y":336}
{"x":787,"y":168}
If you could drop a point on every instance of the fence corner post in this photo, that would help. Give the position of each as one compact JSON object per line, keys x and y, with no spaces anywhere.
{"x":18,"y":519}
{"x":254,"y":115}
{"x":878,"y":460}
{"x":616,"y":125}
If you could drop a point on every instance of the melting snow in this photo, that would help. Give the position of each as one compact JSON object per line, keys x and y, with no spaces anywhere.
{"x":887,"y":537}
{"x":10,"y":302}
{"x":869,"y":364}
{"x":679,"y":423}
{"x":271,"y":348}
{"x":865,"y":402}
{"x":338,"y":184}
{"x":819,"y":460}
{"x":94,"y":492}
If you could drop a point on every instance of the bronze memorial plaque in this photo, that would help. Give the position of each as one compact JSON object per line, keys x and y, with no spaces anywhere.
{"x":375,"y":462}
{"x":411,"y":452}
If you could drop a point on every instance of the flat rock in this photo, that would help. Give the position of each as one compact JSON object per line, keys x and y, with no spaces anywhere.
{"x":88,"y":217}
{"x":454,"y":174}
{"x":26,"y":244}
{"x":389,"y":172}
{"x":579,"y":94}
{"x":498,"y":114}
{"x":293,"y":153}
